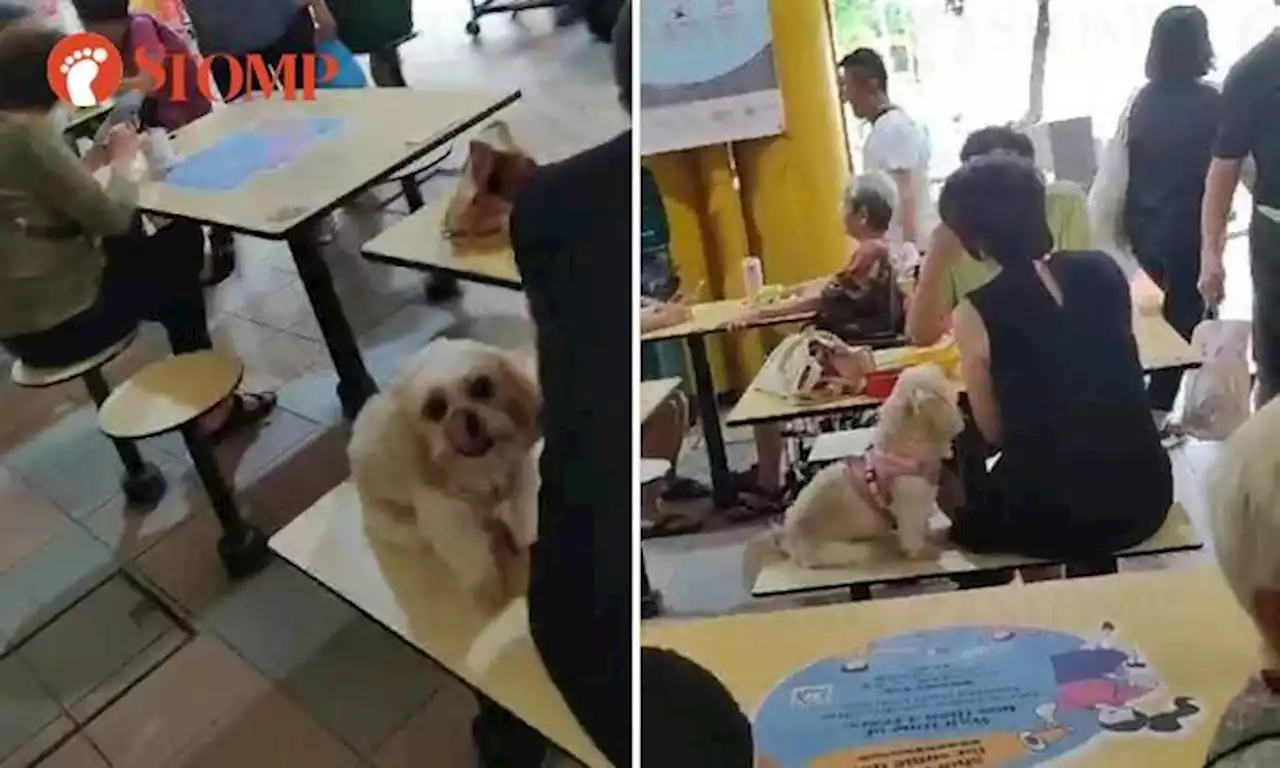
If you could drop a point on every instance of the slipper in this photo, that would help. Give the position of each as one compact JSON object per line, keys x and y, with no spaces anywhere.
{"x":671,"y":524}
{"x":757,"y":504}
{"x":248,"y":410}
{"x":685,"y":489}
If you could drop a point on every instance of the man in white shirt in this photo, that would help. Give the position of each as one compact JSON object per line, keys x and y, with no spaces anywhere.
{"x":897,"y":146}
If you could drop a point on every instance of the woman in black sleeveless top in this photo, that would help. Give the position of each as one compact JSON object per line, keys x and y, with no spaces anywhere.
{"x":1054,"y":381}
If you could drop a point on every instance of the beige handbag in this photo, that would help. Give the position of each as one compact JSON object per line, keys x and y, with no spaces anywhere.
{"x":814,"y":365}
{"x":495,"y":172}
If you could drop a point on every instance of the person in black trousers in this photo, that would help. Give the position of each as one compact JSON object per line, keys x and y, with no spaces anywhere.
{"x":571,"y":230}
{"x":1171,"y":128}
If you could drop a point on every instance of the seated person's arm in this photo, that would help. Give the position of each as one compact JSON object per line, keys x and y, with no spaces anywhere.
{"x":928,"y":310}
{"x":661,"y":314}
{"x":56,"y":175}
{"x":975,"y":368}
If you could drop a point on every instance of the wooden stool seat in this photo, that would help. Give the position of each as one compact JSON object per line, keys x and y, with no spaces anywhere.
{"x":172,"y":395}
{"x":169,"y":394}
{"x":29,"y":376}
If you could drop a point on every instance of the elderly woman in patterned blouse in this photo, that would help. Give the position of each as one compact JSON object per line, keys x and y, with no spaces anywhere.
{"x":1245,"y":497}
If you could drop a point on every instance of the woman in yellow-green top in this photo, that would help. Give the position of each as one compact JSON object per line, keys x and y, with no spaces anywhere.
{"x":949,"y":273}
{"x":78,"y":273}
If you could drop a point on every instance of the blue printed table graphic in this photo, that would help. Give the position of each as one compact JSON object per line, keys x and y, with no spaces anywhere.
{"x":979,"y":697}
{"x":237,"y":158}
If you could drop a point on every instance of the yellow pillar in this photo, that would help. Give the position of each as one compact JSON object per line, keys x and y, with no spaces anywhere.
{"x":792,"y":184}
{"x":686,"y":197}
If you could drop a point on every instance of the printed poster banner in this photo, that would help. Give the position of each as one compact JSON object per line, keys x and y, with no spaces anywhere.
{"x":977,"y":697}
{"x":707,"y":74}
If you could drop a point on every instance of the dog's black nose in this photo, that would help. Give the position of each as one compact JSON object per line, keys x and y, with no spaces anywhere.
{"x":472,"y":424}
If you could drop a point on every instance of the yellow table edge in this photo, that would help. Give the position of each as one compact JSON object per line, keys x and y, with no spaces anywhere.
{"x":1185,"y":623}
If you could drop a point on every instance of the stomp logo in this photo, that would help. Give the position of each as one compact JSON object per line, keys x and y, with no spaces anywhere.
{"x":86,"y":69}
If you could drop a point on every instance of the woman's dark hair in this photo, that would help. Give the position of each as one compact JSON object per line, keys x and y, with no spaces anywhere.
{"x":868,"y":65}
{"x":997,"y":138}
{"x":995,"y":205}
{"x":1180,"y":49}
{"x":688,"y":718}
{"x":24,"y":60}
{"x":92,"y":11}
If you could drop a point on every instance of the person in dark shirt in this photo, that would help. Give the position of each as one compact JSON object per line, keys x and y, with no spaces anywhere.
{"x":1251,"y":114}
{"x":1052,"y":374}
{"x":1170,"y":132}
{"x":571,"y":230}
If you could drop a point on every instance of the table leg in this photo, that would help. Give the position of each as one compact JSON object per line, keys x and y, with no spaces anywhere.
{"x":242,"y":547}
{"x":355,"y":385}
{"x":709,"y":414}
{"x":143,"y":483}
{"x":503,"y":741}
{"x":650,"y":601}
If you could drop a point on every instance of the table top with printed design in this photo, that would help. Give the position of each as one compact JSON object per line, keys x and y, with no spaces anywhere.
{"x":1159,"y":347}
{"x":418,"y":242}
{"x":412,"y":594}
{"x":653,"y":393}
{"x":264,"y":166}
{"x":1126,"y":670}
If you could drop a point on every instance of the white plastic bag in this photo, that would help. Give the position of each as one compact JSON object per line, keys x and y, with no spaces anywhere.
{"x":1218,"y":393}
{"x":815,"y":365}
{"x":1107,"y":194}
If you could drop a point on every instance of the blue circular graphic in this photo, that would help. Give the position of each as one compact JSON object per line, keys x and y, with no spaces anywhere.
{"x":1006,"y":697}
{"x":693,"y":41}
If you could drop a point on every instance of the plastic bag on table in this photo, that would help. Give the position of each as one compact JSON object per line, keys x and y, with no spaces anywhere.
{"x":1218,"y":393}
{"x":495,"y":172}
{"x":816,"y":365}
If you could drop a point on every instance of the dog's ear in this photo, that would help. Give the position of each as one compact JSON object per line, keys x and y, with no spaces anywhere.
{"x":524,"y":397}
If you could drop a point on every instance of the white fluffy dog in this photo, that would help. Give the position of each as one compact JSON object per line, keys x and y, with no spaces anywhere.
{"x":447,"y":458}
{"x":892,"y":489}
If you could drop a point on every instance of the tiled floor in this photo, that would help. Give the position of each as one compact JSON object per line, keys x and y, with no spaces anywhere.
{"x":276,"y":672}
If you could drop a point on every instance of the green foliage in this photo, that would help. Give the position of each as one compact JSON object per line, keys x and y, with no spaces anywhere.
{"x":864,"y":22}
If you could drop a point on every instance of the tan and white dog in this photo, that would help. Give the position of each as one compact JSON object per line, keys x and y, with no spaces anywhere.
{"x":447,"y":458}
{"x":893,"y":489}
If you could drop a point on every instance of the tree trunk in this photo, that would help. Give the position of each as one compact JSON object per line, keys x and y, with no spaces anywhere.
{"x":1039,"y":52}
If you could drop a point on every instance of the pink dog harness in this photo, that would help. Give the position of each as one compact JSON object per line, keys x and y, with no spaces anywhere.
{"x":878,"y":469}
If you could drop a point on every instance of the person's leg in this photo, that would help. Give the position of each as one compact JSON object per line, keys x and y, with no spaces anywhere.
{"x":157,"y":278}
{"x":1264,"y":260}
{"x":769,"y":454}
{"x":1183,"y":310}
{"x":387,"y":69}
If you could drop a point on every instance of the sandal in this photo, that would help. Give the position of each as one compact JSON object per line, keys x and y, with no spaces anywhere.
{"x":248,"y":410}
{"x":757,"y":504}
{"x":685,"y":489}
{"x":670,"y":524}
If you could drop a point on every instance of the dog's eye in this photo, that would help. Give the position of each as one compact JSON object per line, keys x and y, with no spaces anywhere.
{"x":435,"y":408}
{"x":480,"y":388}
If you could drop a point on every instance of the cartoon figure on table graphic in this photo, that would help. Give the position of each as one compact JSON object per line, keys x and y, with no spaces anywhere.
{"x":1107,"y":681}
